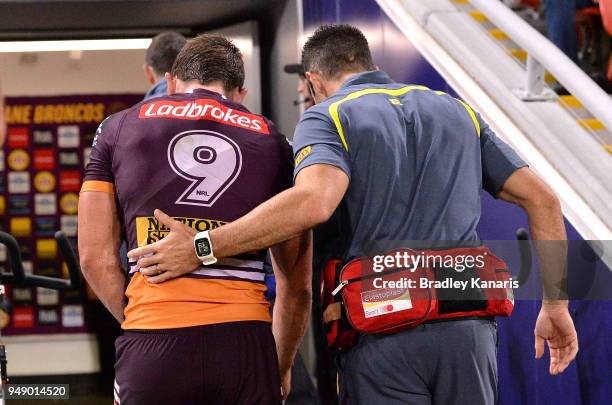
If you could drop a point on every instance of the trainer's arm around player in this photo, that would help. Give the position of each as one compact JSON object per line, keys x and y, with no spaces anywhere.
{"x":99,"y":240}
{"x":311,"y":201}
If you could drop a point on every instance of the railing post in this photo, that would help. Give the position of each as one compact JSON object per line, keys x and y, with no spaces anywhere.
{"x":535,"y":90}
{"x":535,"y":76}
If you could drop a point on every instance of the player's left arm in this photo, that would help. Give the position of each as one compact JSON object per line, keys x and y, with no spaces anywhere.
{"x":292,"y":263}
{"x":99,"y":225}
{"x":99,"y":240}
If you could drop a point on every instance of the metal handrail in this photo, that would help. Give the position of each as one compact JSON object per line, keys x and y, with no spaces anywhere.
{"x":544,"y":52}
{"x":18,"y":276}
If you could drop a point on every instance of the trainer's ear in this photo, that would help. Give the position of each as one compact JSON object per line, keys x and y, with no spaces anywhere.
{"x":171,"y":83}
{"x":148,"y":71}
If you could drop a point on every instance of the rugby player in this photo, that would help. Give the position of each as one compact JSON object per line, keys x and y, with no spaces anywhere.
{"x":204,"y":338}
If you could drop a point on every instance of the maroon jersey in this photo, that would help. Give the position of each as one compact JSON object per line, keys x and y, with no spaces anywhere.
{"x":205,"y":161}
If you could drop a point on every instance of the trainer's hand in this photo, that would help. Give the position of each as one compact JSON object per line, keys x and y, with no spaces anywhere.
{"x":555,"y":326}
{"x":170,"y":257}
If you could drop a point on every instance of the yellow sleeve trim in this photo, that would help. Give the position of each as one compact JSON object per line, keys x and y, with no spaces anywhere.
{"x":469,"y":110}
{"x":333,"y":108}
{"x":97,"y":185}
{"x":472,"y":115}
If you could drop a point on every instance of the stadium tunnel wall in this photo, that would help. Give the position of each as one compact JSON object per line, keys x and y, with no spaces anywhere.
{"x":280,"y":46}
{"x":98,"y":72}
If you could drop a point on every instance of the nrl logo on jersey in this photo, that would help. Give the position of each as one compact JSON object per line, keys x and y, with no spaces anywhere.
{"x":150,"y":230}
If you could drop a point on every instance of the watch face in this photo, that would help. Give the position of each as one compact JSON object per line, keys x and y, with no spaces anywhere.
{"x":202,"y":247}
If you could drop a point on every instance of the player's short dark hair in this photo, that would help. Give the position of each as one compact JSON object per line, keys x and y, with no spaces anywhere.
{"x":336,"y":49}
{"x":163,"y":50}
{"x":210,"y":58}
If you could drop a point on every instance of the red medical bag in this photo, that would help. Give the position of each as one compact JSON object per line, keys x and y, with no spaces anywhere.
{"x":400,"y":297}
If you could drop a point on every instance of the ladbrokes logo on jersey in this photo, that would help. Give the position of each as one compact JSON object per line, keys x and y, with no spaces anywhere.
{"x":203,"y":109}
{"x":149,"y":230}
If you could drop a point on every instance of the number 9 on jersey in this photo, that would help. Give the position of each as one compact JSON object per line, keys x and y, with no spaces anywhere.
{"x":210,"y":160}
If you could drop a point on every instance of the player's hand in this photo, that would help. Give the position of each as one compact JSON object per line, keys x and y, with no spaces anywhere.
{"x":286,"y":384}
{"x":170,"y":257}
{"x":555,"y":326}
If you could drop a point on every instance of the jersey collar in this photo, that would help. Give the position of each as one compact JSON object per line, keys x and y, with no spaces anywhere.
{"x":372,"y":76}
{"x":208,"y":92}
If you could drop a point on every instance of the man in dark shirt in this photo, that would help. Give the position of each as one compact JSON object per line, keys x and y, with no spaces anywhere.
{"x":159,"y":59}
{"x":206,"y":160}
{"x":302,"y":87}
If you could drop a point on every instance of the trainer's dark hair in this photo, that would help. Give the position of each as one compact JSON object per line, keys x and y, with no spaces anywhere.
{"x":163,"y":50}
{"x":336,"y":49}
{"x":210,"y":58}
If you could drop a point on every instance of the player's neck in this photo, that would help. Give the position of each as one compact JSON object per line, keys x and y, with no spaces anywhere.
{"x":191,"y":86}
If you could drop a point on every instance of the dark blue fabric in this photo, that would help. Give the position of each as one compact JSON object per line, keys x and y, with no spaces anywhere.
{"x":561,"y":24}
{"x":159,"y":89}
{"x":270,"y":279}
{"x":432,"y":364}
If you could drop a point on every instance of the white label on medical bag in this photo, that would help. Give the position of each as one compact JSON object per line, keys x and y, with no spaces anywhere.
{"x":385,"y":301}
{"x":510,"y":293}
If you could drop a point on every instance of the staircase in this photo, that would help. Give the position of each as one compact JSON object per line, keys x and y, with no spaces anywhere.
{"x":594,"y":126}
{"x":565,"y":143}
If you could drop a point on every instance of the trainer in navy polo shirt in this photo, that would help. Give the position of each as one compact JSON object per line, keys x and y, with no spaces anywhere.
{"x":401,"y":187}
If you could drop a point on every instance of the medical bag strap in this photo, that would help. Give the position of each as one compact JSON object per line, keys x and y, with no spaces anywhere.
{"x":333,"y":312}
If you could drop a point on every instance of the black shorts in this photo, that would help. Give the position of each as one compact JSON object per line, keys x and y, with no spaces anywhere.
{"x":228,"y":363}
